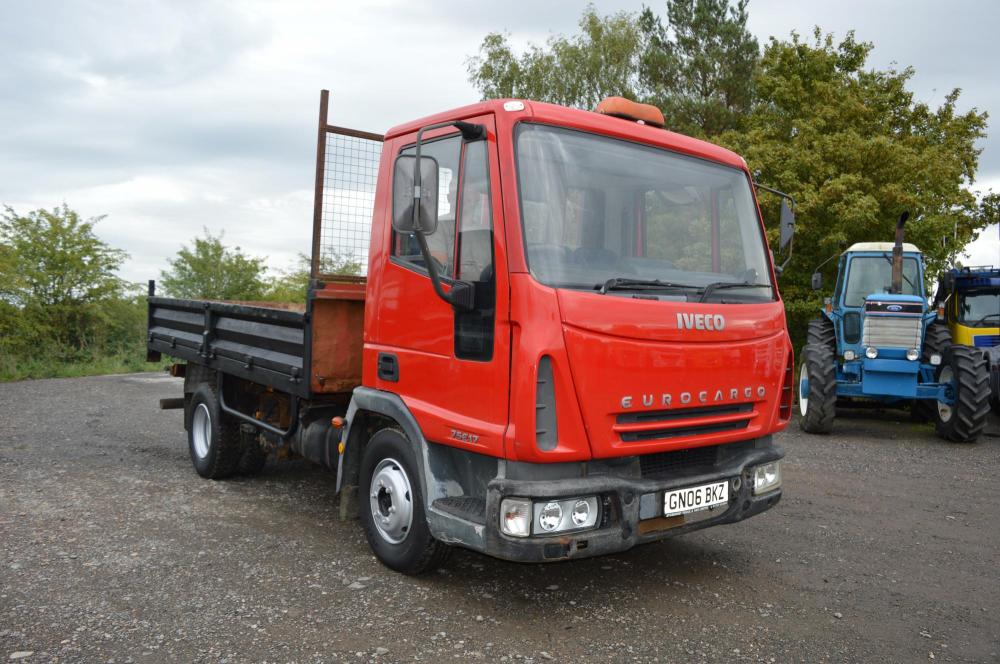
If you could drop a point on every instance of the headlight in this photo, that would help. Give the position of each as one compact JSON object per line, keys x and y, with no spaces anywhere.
{"x":850,"y":355}
{"x":912,"y":354}
{"x":556,"y":516}
{"x":871,"y":352}
{"x":581,"y":513}
{"x":935,"y":359}
{"x":515,"y":517}
{"x":550,"y":517}
{"x":767,"y":477}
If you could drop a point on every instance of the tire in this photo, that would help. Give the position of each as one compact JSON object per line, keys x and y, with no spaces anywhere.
{"x":821,"y":333}
{"x":213,"y":437}
{"x":963,"y":421}
{"x":937,"y":340}
{"x":818,"y":406}
{"x":254,"y":457}
{"x":392,"y":507}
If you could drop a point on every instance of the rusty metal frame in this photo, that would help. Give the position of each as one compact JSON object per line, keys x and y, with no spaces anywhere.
{"x":324,"y":129}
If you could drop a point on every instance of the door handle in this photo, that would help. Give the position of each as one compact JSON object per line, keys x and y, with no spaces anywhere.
{"x":388,"y":367}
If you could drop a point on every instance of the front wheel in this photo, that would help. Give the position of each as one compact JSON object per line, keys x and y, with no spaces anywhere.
{"x":392,"y":509}
{"x":963,"y":420}
{"x":817,"y":389}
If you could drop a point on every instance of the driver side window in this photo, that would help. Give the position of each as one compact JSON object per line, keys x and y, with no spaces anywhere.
{"x":441,"y":242}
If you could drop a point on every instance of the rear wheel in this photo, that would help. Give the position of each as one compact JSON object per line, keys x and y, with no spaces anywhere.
{"x":392,"y":509}
{"x":821,"y":333}
{"x":213,"y":437}
{"x":817,"y":389}
{"x":254,"y":457}
{"x":963,"y":420}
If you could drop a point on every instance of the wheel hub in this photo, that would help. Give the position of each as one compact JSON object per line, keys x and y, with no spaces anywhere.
{"x":201,"y":430}
{"x":944,"y":409}
{"x":391,"y":501}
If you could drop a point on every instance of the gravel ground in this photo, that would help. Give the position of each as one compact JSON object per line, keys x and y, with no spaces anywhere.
{"x":884,"y":548}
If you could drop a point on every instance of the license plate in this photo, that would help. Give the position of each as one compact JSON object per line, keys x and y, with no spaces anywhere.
{"x":694,"y":498}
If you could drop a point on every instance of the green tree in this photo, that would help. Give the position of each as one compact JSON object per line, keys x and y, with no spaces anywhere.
{"x":579,"y":70}
{"x":855,"y":149}
{"x":211,"y":270}
{"x":699,"y":67}
{"x":62,"y":305}
{"x":52,"y":258}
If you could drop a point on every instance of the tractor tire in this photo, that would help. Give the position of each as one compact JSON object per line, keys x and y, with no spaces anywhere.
{"x":937,"y":340}
{"x":821,"y":332}
{"x":392,"y":506}
{"x":817,"y":403}
{"x":964,"y":420}
{"x":213,"y":437}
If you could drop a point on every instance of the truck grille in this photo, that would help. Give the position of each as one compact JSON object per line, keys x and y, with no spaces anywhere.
{"x":691,"y":460}
{"x":661,"y":424}
{"x":891,"y":330}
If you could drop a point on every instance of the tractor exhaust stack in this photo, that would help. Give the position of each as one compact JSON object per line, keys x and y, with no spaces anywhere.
{"x":897,"y":255}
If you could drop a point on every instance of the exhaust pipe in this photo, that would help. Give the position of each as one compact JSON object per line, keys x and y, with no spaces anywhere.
{"x":897,"y":256}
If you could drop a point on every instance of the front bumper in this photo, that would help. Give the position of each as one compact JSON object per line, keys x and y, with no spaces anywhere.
{"x":631,"y":502}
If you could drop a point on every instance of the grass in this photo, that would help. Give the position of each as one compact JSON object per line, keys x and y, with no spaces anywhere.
{"x":18,"y":368}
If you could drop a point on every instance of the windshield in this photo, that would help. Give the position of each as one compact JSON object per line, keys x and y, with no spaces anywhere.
{"x":872,"y":275}
{"x":979,"y":309}
{"x":606,"y":214}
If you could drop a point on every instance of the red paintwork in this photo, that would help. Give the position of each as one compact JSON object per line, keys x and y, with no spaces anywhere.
{"x":602,"y":347}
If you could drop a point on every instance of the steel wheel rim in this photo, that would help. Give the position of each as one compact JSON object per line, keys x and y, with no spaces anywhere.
{"x":803,"y":396}
{"x":201,"y":430}
{"x":945,"y":410}
{"x":390,"y":498}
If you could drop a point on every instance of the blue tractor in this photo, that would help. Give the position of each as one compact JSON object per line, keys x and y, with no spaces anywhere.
{"x":878,"y":341}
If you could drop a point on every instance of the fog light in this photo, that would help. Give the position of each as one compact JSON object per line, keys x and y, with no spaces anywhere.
{"x":767,"y":477}
{"x":550,"y":517}
{"x":912,"y":354}
{"x":935,"y":359}
{"x":850,"y":355}
{"x":515,"y":517}
{"x":871,"y":353}
{"x":581,"y":513}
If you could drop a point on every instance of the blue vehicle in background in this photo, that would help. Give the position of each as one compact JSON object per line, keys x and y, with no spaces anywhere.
{"x":878,"y":341}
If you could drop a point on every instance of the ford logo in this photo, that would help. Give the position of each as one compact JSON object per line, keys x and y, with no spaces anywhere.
{"x":894,"y":307}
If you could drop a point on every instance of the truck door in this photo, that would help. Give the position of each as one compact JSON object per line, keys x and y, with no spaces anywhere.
{"x":451,"y":368}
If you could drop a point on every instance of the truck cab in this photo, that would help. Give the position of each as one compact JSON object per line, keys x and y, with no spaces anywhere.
{"x":572,"y":342}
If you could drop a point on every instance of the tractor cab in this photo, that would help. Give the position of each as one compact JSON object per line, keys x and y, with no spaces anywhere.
{"x":878,"y":341}
{"x":873,"y":322}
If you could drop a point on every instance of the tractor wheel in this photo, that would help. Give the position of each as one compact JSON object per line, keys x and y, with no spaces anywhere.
{"x":817,"y":389}
{"x":963,"y":420}
{"x":937,"y":340}
{"x":821,"y":332}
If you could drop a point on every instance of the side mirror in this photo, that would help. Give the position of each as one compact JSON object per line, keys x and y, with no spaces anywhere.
{"x":786,"y":224}
{"x":413,"y":210}
{"x":817,"y":281}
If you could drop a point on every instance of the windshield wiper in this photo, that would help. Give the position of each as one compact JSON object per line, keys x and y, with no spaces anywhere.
{"x":983,"y":319}
{"x":719,"y":285}
{"x":622,"y":283}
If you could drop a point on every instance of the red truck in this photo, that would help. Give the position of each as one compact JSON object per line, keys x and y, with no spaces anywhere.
{"x":569,"y":339}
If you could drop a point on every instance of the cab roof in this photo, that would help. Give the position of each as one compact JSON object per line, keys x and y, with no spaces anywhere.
{"x":520,"y":109}
{"x":881,"y":246}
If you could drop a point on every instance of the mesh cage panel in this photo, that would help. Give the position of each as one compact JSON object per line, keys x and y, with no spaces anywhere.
{"x":349,"y":176}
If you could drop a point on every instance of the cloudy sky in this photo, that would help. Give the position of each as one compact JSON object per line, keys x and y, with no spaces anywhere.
{"x":172,"y":116}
